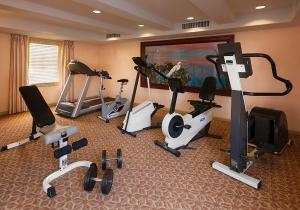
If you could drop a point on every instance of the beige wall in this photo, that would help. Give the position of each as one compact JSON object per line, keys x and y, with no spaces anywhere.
{"x":88,"y":54}
{"x":282,"y":44}
{"x":85,"y":52}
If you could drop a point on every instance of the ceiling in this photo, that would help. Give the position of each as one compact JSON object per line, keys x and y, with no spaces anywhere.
{"x":74,"y":19}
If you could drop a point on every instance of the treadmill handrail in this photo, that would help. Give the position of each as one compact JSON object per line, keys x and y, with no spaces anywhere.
{"x":288,"y":84}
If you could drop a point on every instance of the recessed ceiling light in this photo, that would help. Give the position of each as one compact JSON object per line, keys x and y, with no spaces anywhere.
{"x":141,"y":25}
{"x":190,"y":18}
{"x":260,"y":7}
{"x":96,"y":11}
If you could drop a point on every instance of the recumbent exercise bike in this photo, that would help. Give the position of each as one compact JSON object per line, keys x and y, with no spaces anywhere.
{"x":179,"y":129}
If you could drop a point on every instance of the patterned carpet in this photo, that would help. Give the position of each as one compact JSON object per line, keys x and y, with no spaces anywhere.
{"x":150,"y":179}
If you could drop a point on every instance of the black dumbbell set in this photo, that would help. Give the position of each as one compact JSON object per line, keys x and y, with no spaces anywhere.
{"x":90,"y":178}
{"x":119,"y":159}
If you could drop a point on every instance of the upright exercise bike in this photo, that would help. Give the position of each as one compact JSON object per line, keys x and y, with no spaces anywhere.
{"x":139,"y":118}
{"x":236,"y":65}
{"x":180,"y":130}
{"x":116,"y":108}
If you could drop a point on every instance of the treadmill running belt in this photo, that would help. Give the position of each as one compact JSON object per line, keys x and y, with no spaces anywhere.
{"x":95,"y":102}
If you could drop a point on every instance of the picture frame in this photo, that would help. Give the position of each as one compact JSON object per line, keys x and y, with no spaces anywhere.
{"x":191,"y":52}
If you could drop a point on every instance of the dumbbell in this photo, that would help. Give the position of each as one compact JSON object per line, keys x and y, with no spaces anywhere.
{"x":90,"y":179}
{"x":119,"y":159}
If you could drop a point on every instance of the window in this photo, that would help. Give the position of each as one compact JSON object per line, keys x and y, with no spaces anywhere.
{"x":43,"y":63}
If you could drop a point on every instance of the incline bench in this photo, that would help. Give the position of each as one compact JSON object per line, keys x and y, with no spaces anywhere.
{"x":52,"y":132}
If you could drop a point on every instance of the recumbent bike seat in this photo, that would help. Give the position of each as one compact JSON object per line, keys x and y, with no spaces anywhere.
{"x":207,"y":95}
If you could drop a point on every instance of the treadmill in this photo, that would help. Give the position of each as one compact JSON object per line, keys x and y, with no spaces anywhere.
{"x":81,"y":106}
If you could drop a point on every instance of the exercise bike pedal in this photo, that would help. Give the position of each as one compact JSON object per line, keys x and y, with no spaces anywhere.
{"x":186,"y":126}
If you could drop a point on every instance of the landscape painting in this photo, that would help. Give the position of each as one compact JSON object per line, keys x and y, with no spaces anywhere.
{"x":163,"y":55}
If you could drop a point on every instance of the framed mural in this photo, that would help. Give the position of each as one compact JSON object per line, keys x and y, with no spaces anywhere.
{"x":192,"y":54}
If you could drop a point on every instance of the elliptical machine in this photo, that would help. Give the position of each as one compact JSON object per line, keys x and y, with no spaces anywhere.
{"x":116,"y":108}
{"x":139,"y":118}
{"x":236,"y":65}
{"x":181,"y":130}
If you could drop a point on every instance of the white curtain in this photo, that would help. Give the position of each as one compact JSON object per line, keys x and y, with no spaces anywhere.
{"x":67,"y":54}
{"x":18,"y":72}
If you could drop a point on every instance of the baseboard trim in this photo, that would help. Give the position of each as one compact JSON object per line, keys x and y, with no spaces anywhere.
{"x":4,"y":113}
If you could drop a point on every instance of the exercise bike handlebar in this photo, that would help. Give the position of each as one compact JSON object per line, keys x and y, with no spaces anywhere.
{"x":288,"y":84}
{"x":141,"y":63}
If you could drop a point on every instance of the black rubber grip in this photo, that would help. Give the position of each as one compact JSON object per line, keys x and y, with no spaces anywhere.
{"x":3,"y":148}
{"x":62,"y":151}
{"x":79,"y":144}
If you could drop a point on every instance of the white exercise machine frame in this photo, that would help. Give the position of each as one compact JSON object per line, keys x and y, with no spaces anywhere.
{"x":139,"y":118}
{"x":233,"y":69}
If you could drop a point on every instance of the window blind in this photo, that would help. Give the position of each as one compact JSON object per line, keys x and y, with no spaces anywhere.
{"x":43,"y":63}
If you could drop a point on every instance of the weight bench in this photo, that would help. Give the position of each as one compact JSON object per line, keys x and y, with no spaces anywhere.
{"x":52,"y":133}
